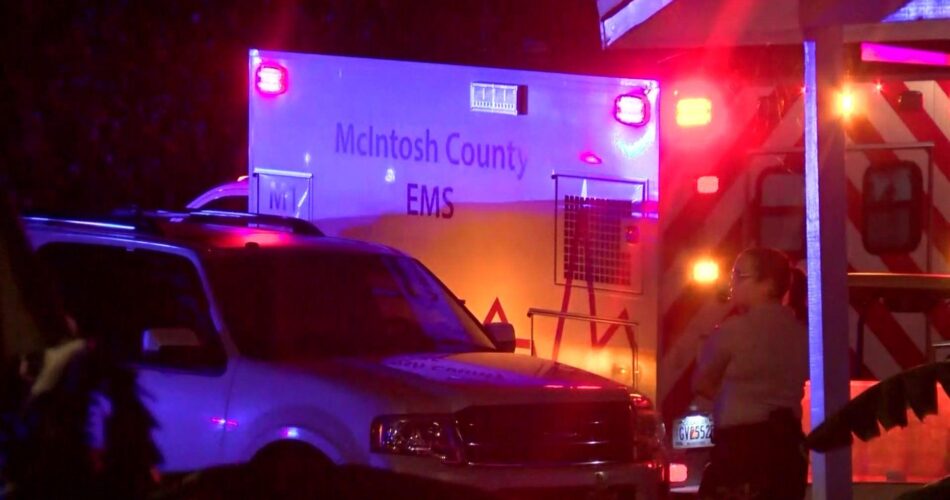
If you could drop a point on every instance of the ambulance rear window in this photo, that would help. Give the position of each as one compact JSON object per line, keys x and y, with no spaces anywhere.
{"x":893,"y":198}
{"x":781,"y":211}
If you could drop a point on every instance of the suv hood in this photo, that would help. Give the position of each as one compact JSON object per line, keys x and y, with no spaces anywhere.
{"x":497,"y":370}
{"x":448,"y":382}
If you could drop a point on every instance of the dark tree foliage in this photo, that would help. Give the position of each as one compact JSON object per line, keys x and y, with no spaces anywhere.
{"x":111,"y":103}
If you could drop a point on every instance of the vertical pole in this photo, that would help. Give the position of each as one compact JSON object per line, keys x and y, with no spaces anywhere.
{"x":825,"y":212}
{"x":929,"y":218}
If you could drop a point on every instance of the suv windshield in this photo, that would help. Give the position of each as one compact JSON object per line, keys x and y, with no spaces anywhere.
{"x":299,"y":304}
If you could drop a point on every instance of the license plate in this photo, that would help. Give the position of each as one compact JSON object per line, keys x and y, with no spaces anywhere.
{"x":694,"y":431}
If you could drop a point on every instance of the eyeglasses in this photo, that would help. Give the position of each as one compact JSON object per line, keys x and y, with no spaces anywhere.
{"x":738,"y":277}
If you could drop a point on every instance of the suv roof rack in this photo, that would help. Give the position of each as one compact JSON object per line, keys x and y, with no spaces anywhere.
{"x":244,"y":219}
{"x":146,"y":221}
{"x":129,"y":221}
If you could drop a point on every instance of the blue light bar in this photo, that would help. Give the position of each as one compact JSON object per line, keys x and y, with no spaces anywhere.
{"x":813,"y":239}
{"x":920,"y":10}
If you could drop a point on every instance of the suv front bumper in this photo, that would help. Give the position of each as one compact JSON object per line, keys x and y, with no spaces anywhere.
{"x":620,"y":481}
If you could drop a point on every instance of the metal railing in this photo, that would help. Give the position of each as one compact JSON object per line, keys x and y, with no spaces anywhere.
{"x":635,"y":367}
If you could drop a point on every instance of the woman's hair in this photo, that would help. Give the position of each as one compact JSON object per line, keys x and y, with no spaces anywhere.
{"x":774,"y":266}
{"x":798,"y":294}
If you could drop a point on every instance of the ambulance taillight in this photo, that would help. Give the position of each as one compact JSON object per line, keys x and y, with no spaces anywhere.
{"x":271,"y":79}
{"x":632,"y":109}
{"x":678,"y":473}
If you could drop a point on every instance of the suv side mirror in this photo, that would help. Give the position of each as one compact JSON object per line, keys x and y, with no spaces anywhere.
{"x":503,"y":334}
{"x":154,"y":339}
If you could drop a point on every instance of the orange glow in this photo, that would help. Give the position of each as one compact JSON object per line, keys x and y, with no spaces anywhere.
{"x":693,"y":112}
{"x":694,"y":126}
{"x":678,"y":473}
{"x":705,"y":271}
{"x":879,"y":87}
{"x":846,"y":103}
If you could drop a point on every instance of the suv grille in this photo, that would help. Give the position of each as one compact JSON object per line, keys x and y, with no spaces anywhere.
{"x":564,"y":433}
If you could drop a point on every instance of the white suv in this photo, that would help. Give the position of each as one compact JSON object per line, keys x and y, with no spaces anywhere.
{"x":256,"y":338}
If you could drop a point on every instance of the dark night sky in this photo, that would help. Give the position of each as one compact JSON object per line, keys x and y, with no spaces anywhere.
{"x":144,"y":102}
{"x":116,"y":102}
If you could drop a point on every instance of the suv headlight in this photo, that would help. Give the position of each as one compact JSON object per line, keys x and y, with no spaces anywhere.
{"x":418,"y":435}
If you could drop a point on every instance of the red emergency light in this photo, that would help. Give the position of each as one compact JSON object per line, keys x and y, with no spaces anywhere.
{"x":271,"y":79}
{"x":640,"y":401}
{"x":877,"y":52}
{"x":632,"y":109}
{"x":590,"y":158}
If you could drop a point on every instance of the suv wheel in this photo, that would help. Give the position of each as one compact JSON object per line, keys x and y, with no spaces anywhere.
{"x":292,"y":470}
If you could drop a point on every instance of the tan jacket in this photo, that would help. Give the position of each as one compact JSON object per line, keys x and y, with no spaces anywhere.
{"x":752,"y":364}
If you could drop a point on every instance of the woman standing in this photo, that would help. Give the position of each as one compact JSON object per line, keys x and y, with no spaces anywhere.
{"x":754,"y":366}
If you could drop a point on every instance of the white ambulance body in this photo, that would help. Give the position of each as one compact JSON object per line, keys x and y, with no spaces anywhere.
{"x":527,"y":192}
